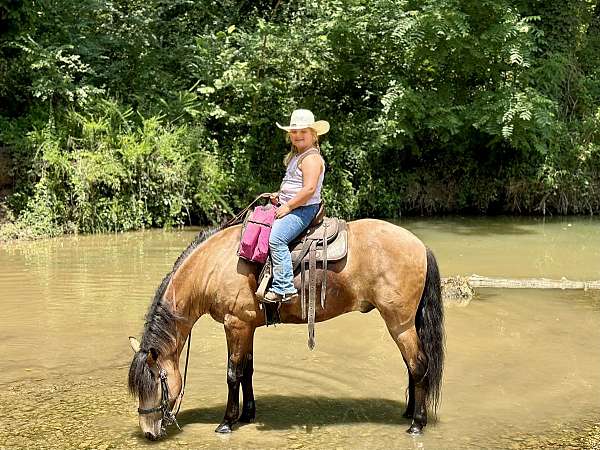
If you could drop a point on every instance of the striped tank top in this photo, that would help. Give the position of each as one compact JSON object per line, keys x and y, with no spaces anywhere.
{"x":292,"y":181}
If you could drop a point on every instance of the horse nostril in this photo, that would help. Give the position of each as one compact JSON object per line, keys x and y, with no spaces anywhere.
{"x":150,"y":436}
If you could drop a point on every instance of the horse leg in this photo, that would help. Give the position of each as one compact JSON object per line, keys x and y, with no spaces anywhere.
{"x":409,"y":344}
{"x":239,"y":345}
{"x":249,"y":406}
{"x":410,"y":403}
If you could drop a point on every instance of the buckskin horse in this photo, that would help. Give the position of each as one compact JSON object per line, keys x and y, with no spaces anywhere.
{"x":386,"y":268}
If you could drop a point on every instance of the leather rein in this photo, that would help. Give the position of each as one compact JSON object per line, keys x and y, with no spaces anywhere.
{"x":168,"y":417}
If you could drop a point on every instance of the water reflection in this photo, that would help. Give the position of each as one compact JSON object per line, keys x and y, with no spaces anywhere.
{"x":514,"y":247}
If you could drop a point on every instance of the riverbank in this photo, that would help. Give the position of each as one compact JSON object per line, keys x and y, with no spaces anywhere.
{"x":6,"y":224}
{"x":3,"y":210}
{"x":6,"y":183}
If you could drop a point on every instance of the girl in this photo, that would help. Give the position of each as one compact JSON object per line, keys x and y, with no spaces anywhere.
{"x":299,"y":197}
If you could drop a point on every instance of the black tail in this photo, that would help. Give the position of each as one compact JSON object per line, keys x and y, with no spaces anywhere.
{"x":430,"y":328}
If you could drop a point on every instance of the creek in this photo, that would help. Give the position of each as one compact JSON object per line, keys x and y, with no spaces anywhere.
{"x":519,"y":364}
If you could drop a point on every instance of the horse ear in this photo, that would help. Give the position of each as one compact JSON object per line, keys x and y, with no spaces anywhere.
{"x":152,"y":357}
{"x":135,"y":345}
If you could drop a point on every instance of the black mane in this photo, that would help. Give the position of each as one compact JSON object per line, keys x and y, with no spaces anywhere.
{"x":160,"y":327}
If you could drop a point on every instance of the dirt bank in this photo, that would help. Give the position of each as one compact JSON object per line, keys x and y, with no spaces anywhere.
{"x":6,"y":182}
{"x":6,"y":178}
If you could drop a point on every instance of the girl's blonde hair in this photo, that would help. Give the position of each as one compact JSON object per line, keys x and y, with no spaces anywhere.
{"x":293,"y":151}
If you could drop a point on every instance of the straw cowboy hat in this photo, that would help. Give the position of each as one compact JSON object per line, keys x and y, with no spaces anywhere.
{"x":303,"y":118}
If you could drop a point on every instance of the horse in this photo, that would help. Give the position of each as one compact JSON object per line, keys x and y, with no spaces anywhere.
{"x":386,"y":268}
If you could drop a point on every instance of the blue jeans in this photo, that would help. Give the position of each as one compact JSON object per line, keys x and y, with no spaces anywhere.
{"x":284,"y":231}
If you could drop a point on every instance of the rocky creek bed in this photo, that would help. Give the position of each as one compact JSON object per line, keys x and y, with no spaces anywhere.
{"x":96,"y":413}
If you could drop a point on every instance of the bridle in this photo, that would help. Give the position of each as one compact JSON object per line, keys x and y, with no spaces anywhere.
{"x":168,"y":416}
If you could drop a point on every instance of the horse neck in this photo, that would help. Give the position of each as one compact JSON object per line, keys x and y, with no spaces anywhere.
{"x":184,"y":332}
{"x":189,"y":291}
{"x":187,"y":305}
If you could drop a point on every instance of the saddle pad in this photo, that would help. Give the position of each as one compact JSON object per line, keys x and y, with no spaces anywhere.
{"x":336,"y":250}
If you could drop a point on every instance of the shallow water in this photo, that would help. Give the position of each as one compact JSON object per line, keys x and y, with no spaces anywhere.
{"x":518,"y":363}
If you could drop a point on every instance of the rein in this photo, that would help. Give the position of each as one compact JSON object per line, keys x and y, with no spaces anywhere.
{"x":238,"y":218}
{"x":168,"y":417}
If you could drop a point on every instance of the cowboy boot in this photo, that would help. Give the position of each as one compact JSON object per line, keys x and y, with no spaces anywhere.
{"x":273,"y":297}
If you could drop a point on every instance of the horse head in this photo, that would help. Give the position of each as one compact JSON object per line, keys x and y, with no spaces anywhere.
{"x":155,"y":379}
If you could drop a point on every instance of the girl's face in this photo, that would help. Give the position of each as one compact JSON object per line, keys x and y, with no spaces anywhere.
{"x":303,"y":138}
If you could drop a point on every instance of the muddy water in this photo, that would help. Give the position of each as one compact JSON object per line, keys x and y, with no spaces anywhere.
{"x":520,"y":364}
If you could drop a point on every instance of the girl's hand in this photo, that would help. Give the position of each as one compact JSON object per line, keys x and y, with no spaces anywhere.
{"x":282,"y":211}
{"x":274,"y":198}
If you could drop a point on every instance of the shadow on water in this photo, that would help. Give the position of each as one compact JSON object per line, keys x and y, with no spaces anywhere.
{"x":471,"y":226}
{"x":280,"y":412}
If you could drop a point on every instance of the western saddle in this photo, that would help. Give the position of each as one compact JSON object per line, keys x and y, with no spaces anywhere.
{"x":325,"y":240}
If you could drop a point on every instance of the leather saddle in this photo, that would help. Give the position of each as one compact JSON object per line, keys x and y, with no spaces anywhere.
{"x":325,"y":240}
{"x":329,"y":238}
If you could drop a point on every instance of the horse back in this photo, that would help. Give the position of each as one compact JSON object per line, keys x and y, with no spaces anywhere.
{"x":385,"y":266}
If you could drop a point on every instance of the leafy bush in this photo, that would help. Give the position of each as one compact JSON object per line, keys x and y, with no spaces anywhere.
{"x":105,"y":173}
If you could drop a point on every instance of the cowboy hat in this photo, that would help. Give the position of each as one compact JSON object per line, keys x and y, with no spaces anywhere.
{"x":303,"y":118}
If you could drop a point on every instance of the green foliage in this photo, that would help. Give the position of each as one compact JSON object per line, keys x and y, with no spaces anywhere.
{"x":104,"y":172}
{"x":135,"y":114}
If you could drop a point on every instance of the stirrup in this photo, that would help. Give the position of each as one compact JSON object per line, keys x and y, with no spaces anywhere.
{"x":273,"y":297}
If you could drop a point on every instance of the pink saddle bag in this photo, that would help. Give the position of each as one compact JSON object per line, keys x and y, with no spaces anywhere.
{"x":254,"y":244}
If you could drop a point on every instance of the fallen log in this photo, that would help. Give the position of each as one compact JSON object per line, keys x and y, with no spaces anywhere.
{"x":460,"y":290}
{"x":530,"y":283}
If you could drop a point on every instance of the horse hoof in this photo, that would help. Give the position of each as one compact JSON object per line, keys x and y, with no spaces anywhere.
{"x":415,"y":430}
{"x":223,"y":428}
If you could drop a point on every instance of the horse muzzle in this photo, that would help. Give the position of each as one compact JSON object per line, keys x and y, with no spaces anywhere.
{"x":155,"y":429}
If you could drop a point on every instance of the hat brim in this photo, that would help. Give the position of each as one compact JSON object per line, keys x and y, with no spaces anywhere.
{"x":320,"y":126}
